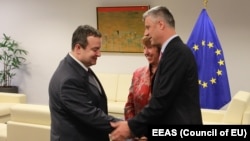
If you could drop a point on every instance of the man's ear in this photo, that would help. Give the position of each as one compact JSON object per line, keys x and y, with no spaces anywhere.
{"x":77,"y":48}
{"x":161,"y":24}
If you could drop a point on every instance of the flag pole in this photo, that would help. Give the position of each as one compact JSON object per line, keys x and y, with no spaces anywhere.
{"x":205,"y":3}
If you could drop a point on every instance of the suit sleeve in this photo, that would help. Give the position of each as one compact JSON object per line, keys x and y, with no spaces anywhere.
{"x":75,"y":98}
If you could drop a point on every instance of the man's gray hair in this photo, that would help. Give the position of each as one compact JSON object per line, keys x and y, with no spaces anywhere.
{"x":160,"y":12}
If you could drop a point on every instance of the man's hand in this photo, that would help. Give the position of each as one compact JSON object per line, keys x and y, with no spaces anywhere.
{"x":121,"y":132}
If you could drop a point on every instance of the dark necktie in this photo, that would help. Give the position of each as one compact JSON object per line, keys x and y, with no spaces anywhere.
{"x":92,"y":80}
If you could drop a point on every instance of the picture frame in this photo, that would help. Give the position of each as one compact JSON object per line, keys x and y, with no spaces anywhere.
{"x":122,"y":28}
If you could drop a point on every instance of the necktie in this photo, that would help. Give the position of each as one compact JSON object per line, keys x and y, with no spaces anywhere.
{"x":92,"y":80}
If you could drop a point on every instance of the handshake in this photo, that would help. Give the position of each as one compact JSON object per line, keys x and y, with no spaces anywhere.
{"x":122,"y":132}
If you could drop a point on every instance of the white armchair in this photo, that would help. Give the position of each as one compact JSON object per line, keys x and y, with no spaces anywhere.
{"x":237,"y":112}
{"x":6,"y":101}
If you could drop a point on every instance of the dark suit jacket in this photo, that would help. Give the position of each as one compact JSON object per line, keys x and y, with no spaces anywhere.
{"x":78,"y":109}
{"x":175,"y":95}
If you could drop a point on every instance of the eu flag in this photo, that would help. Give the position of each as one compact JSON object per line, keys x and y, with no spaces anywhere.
{"x":213,"y":82}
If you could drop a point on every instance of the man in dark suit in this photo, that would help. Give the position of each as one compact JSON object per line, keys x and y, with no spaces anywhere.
{"x":77,"y":101}
{"x":175,"y":93}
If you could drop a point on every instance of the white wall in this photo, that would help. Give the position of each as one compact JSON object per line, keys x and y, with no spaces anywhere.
{"x":45,"y":27}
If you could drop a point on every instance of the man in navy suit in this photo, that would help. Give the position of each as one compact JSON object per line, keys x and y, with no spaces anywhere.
{"x":175,"y":93}
{"x":77,"y":101}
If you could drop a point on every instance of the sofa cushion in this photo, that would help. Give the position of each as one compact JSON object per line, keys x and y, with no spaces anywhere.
{"x":30,"y":113}
{"x":116,"y":87}
{"x":19,"y":131}
{"x":237,"y":107}
{"x":109,"y":83}
{"x":124,"y":82}
{"x":235,"y":113}
{"x":5,"y":111}
{"x":6,"y":101}
{"x":116,"y":107}
{"x":12,"y":98}
{"x":5,"y":108}
{"x":3,"y":132}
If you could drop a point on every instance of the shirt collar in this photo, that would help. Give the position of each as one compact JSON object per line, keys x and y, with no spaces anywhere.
{"x":164,"y":45}
{"x":79,"y":62}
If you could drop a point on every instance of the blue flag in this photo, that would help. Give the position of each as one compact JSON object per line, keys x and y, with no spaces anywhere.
{"x":213,"y":82}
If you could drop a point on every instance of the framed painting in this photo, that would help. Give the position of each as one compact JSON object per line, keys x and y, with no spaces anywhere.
{"x":122,"y":28}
